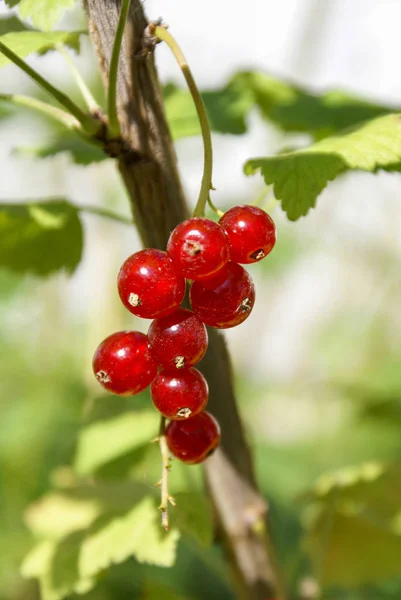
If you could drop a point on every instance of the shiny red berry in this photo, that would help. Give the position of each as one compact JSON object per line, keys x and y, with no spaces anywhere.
{"x":194,"y":439}
{"x":123,"y":363}
{"x":225,"y":300}
{"x":179,"y":395}
{"x":198,"y":247}
{"x":149,"y":284}
{"x":178,"y":340}
{"x":251,"y":233}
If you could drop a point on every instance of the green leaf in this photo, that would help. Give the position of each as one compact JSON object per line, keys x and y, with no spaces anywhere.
{"x":193,"y":516}
{"x":11,"y":24}
{"x":354,"y":535}
{"x":72,"y":563}
{"x":44,"y":13}
{"x":66,"y":141}
{"x":288,"y":106}
{"x":29,"y":230}
{"x":58,"y":514}
{"x":24,"y":43}
{"x":55,"y":565}
{"x":299,"y":177}
{"x":137,"y":534}
{"x":104,"y":441}
{"x":226,"y":110}
{"x":294,"y":109}
{"x":77,"y":506}
{"x":154,"y":590}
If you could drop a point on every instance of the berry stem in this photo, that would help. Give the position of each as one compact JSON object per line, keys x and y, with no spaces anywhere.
{"x":83,"y":88}
{"x":218,"y":212}
{"x":162,"y":33}
{"x":114,"y":124}
{"x":165,"y":471}
{"x":89,"y":123}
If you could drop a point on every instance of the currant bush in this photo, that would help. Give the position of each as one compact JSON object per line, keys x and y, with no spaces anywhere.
{"x":151,"y":284}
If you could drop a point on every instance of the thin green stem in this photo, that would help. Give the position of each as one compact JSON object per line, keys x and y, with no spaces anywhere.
{"x":162,"y":33}
{"x":104,"y":212}
{"x":89,"y":124}
{"x":114,"y":124}
{"x":87,"y":95}
{"x":165,"y":496}
{"x":43,"y":107}
{"x":218,"y":212}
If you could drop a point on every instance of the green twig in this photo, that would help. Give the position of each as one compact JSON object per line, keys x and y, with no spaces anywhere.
{"x":162,"y":34}
{"x":104,"y":212}
{"x":218,"y":212}
{"x":165,"y":496}
{"x":89,"y":124}
{"x":87,"y":95}
{"x":43,"y":107}
{"x":114,"y":124}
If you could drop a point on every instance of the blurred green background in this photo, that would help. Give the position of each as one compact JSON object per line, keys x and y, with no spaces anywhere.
{"x":317,"y":366}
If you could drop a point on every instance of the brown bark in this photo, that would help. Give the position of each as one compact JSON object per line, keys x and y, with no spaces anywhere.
{"x":150,"y":174}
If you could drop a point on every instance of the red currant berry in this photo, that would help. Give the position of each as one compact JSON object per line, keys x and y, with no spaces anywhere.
{"x":251,"y":233}
{"x":123,"y":363}
{"x":198,"y":247}
{"x":193,"y":440}
{"x":149,"y":285}
{"x":226,"y":300}
{"x":178,"y":340}
{"x":179,"y":395}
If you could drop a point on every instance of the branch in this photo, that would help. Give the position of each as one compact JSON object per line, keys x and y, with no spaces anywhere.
{"x":114,"y":125}
{"x":44,"y":108}
{"x":150,"y":175}
{"x":89,"y":123}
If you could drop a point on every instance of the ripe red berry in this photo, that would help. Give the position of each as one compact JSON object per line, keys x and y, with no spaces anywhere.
{"x":198,"y":247}
{"x":178,"y":340}
{"x":149,"y":284}
{"x":194,"y":439}
{"x":179,"y":395}
{"x":251,"y":233}
{"x":123,"y":363}
{"x":226,"y":300}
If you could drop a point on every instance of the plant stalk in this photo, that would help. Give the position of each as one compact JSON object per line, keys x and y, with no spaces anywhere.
{"x":43,"y":107}
{"x":206,"y":185}
{"x":114,"y":124}
{"x":89,"y":124}
{"x":84,"y":89}
{"x":165,"y":471}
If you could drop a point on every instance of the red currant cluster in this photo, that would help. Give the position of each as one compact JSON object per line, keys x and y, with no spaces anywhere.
{"x":151,"y":284}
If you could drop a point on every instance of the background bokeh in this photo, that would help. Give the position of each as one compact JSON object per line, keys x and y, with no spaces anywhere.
{"x":318,"y":365}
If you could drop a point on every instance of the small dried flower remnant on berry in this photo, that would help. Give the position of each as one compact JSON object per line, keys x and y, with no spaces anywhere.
{"x":194,"y":439}
{"x":198,"y":247}
{"x":149,"y":285}
{"x":179,"y":340}
{"x":226,"y":300}
{"x":123,"y":363}
{"x":251,"y":233}
{"x":179,"y":394}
